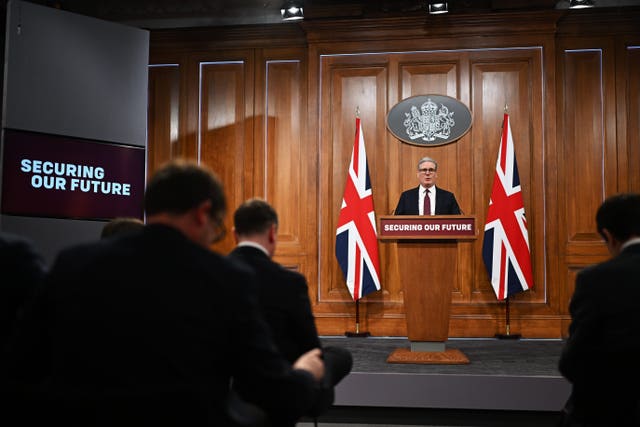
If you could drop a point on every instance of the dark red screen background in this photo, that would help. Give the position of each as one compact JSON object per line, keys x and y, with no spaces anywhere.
{"x":121,"y":163}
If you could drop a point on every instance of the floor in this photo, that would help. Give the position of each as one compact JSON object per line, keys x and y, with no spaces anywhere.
{"x":512,"y":382}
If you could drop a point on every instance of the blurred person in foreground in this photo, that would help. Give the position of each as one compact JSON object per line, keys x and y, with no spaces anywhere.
{"x":150,"y":328}
{"x":23,"y":269}
{"x":601,"y":355}
{"x":121,"y":225}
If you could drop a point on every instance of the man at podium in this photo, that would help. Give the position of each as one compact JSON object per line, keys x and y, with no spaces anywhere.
{"x":427,"y":198}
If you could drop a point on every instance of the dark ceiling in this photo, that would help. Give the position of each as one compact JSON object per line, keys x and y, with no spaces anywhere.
{"x":153,"y":14}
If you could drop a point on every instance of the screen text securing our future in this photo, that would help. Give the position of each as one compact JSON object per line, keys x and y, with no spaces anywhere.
{"x":87,"y":179}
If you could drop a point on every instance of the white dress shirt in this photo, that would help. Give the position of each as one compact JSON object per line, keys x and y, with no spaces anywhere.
{"x":432,"y":198}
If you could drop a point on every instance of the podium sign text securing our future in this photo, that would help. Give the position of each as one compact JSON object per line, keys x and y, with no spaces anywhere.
{"x":425,"y":227}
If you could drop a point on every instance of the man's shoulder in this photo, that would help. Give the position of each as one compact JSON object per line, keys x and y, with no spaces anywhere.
{"x":443,"y":191}
{"x":602,"y":273}
{"x":409,"y":192}
{"x":266,"y":269}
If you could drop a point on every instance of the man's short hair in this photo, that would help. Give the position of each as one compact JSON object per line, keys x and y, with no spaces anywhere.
{"x":254,"y":216}
{"x":121,"y":225}
{"x":427,"y":159}
{"x":181,"y":185}
{"x":620,"y":214}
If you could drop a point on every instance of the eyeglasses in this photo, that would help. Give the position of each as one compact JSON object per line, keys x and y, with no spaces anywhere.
{"x":427,"y":170}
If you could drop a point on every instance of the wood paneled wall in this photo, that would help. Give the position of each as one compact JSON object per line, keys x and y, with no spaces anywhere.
{"x":272,"y":110}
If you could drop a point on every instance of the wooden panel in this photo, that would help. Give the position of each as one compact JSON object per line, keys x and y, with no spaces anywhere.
{"x":630,"y":97}
{"x":284,"y":168}
{"x":224,"y":131}
{"x":583,"y":142}
{"x":348,"y":85}
{"x":587,"y":150}
{"x":419,"y":74}
{"x":163,"y":126}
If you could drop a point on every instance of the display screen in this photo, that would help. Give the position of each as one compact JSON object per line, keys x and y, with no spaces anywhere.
{"x":66,"y":177}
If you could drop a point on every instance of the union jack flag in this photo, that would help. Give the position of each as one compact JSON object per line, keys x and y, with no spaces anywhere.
{"x":505,"y":248}
{"x":356,"y":236}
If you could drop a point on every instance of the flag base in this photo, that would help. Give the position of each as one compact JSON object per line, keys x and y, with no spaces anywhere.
{"x":357,"y":334}
{"x":508,"y":336}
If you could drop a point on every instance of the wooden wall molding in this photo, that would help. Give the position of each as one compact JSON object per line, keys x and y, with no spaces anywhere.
{"x":275,"y":117}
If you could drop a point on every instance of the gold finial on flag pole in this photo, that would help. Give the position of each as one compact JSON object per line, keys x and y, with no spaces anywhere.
{"x":357,"y":111}
{"x":506,"y":108}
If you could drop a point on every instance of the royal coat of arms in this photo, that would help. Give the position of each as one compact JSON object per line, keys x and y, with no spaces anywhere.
{"x":429,"y":120}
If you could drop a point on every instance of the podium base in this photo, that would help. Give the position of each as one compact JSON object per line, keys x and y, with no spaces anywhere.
{"x":508,"y":336}
{"x":357,"y":334}
{"x":450,"y":356}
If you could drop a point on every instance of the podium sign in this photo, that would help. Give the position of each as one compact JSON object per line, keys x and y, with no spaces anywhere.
{"x":427,"y":259}
{"x":427,"y":227}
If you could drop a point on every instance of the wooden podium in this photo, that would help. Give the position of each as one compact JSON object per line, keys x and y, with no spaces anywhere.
{"x":427,"y":259}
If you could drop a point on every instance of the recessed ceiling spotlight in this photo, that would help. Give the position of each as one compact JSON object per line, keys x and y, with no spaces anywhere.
{"x":436,"y":8}
{"x":292,"y":11}
{"x":580,"y":4}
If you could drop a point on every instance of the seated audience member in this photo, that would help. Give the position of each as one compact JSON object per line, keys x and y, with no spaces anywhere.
{"x":600,"y":357}
{"x":121,"y":225}
{"x":150,"y":329}
{"x":23,"y":269}
{"x":284,"y":299}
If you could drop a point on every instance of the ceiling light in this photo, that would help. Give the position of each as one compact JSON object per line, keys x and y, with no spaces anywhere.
{"x":580,"y":4}
{"x":438,"y":7}
{"x":292,"y":11}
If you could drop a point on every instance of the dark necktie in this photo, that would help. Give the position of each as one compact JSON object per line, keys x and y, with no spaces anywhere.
{"x":427,"y":203}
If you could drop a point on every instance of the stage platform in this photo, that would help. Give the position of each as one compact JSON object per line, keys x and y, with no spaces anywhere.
{"x":503,"y":376}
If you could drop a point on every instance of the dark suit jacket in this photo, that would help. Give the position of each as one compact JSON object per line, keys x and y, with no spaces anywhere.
{"x":446,"y":203}
{"x":284,"y":299}
{"x":22,"y":269}
{"x":153,"y":318}
{"x":601,"y":356}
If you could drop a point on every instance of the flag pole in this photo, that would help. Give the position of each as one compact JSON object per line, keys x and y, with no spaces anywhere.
{"x":357,"y":333}
{"x":508,"y":335}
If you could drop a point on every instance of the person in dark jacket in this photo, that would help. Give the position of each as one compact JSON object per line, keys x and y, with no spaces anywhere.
{"x":600,"y":356}
{"x":23,"y":269}
{"x":284,"y":300}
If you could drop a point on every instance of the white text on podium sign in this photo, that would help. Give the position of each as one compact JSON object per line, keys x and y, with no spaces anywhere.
{"x":427,"y":227}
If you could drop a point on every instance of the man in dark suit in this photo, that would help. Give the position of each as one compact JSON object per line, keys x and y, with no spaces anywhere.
{"x":602,"y":353}
{"x":284,"y":299}
{"x":151,"y":327}
{"x":427,"y":198}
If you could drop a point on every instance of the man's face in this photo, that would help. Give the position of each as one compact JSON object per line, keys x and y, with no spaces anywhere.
{"x":427,"y":174}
